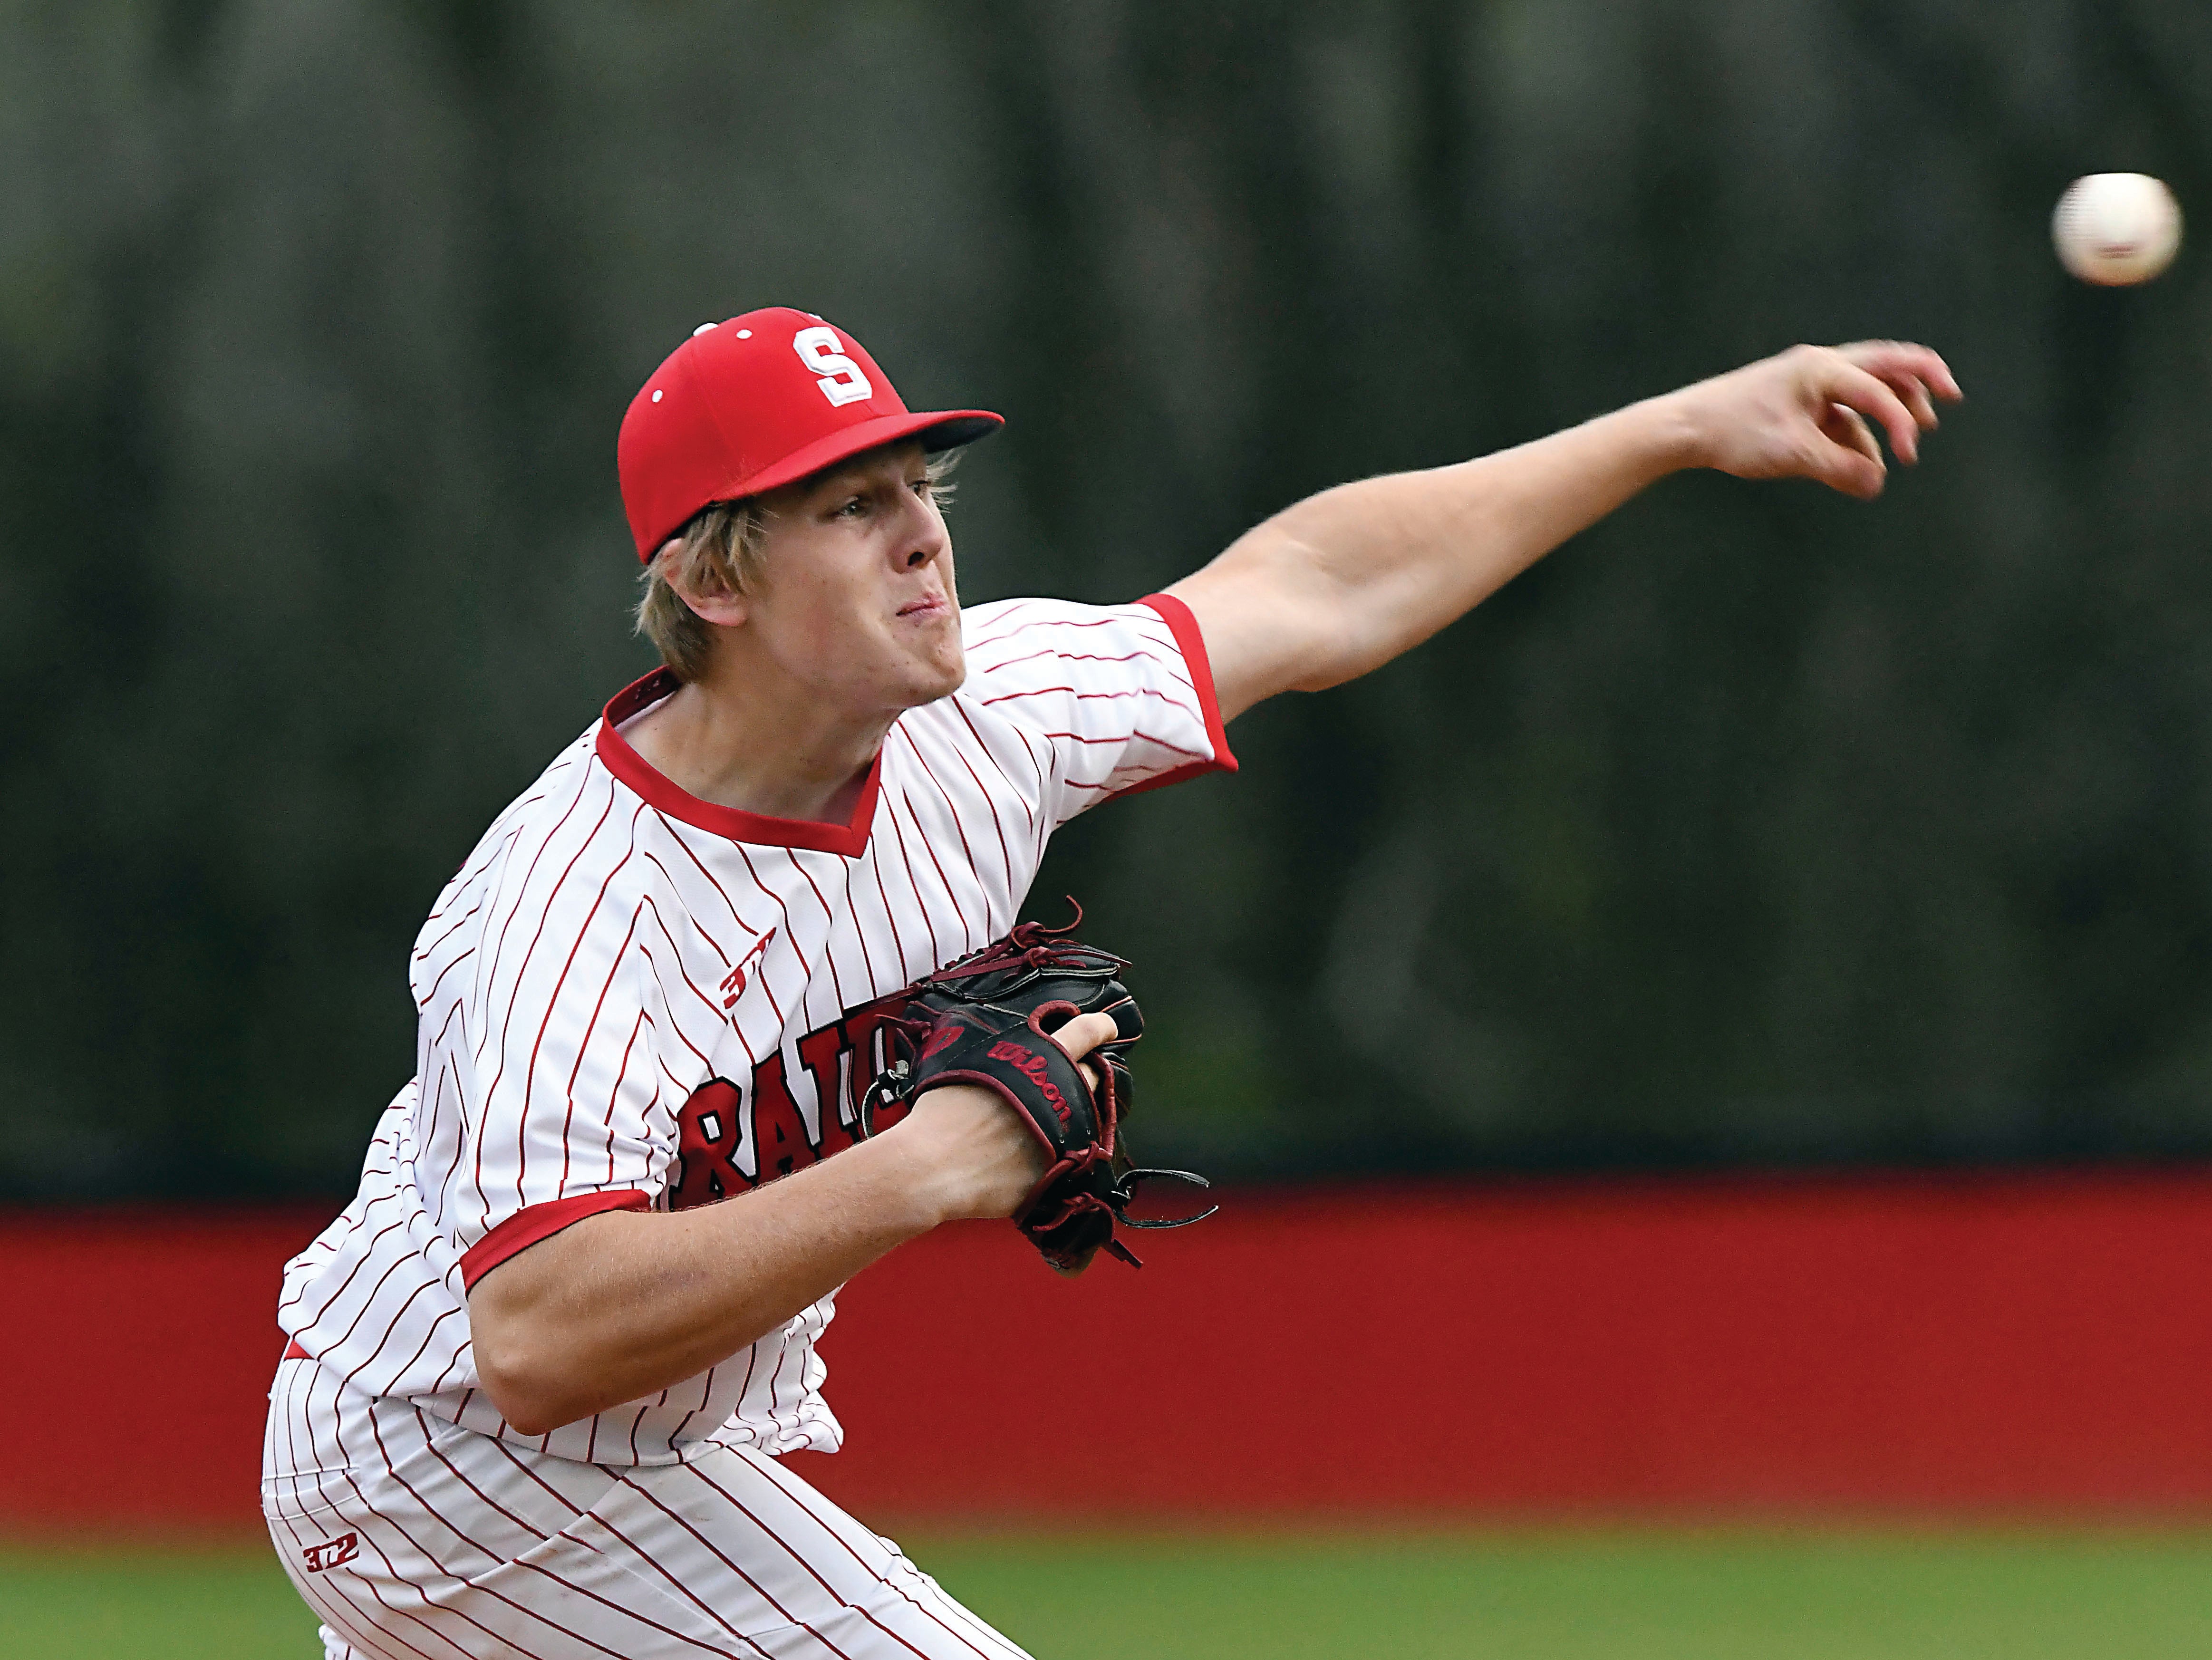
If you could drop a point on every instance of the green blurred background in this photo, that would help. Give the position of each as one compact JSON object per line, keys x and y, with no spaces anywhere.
{"x":1761,"y":828}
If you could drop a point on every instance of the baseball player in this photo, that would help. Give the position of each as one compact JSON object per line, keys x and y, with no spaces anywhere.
{"x":542,"y":1369}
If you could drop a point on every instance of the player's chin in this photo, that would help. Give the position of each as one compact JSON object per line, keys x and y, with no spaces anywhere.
{"x":935,"y":667}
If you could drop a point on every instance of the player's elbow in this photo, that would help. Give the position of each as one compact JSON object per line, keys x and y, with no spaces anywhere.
{"x":1333,"y":617}
{"x":522,"y":1367}
{"x":525,"y":1419}
{"x":1330,"y":640}
{"x":1281,"y":614}
{"x":513,"y":1376}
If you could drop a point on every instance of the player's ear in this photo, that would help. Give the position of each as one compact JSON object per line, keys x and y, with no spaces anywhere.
{"x":717,"y":604}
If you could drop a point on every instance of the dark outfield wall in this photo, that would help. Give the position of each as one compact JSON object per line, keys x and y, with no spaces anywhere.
{"x":1761,"y":827}
{"x":2032,"y":1346}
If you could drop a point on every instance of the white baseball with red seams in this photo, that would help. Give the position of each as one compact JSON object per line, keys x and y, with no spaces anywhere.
{"x":630,"y":997}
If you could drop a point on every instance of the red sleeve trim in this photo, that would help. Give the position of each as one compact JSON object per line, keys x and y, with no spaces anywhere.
{"x":526,"y":1227}
{"x":1192,"y":644}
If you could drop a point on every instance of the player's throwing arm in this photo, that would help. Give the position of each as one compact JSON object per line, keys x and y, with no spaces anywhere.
{"x":735,"y":998}
{"x":1346,"y":580}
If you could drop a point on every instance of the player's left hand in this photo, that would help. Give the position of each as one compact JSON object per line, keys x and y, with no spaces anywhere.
{"x":982,"y":1160}
{"x":1811,"y":413}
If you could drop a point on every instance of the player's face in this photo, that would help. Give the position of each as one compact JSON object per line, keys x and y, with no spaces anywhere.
{"x":856,"y":599}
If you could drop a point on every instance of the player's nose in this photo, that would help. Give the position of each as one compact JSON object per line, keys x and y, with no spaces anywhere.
{"x":923,"y":538}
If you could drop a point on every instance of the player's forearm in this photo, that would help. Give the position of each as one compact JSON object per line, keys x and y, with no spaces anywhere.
{"x":1399,"y":557}
{"x":1341,"y":582}
{"x":624,"y":1304}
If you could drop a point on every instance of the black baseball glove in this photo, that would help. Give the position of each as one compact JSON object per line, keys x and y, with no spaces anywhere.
{"x":986,"y":1019}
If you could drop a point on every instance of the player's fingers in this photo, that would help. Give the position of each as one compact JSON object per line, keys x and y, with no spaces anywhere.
{"x":1917,"y":375}
{"x":1847,"y":425}
{"x":1899,"y":361}
{"x":1915,"y":394}
{"x":1911,"y":388}
{"x":1843,"y":468}
{"x":1084,"y":1034}
{"x":1842,"y":454}
{"x":1855,"y":388}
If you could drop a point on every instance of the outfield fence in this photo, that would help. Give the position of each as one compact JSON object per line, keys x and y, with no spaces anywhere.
{"x":1996,"y":1344}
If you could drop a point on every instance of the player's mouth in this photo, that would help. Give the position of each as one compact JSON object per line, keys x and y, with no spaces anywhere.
{"x":926,"y":608}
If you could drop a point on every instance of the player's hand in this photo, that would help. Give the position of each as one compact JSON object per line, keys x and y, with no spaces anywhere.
{"x":1812,"y":412}
{"x":977,"y":1156}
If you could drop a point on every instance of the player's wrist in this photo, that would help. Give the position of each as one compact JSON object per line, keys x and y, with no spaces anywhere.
{"x":921,"y":1180}
{"x":1675,"y":431}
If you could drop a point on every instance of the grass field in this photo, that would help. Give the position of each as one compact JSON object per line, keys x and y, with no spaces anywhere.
{"x":1561,"y":1595}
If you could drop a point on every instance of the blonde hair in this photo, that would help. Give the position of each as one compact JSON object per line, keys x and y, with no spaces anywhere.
{"x":718,"y":551}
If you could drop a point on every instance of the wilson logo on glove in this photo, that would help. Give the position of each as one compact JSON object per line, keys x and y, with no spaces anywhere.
{"x":1031,"y":1066}
{"x":966,"y":1023}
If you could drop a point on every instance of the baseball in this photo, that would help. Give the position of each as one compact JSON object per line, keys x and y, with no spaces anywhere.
{"x":2117,"y":228}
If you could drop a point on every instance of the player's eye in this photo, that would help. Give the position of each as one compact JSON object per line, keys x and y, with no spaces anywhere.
{"x":851,"y":508}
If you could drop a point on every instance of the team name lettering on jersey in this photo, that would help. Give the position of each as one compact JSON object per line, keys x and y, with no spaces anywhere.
{"x":843,"y":1058}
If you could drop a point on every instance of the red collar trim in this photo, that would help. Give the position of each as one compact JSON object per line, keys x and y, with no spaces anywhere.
{"x":850,"y":840}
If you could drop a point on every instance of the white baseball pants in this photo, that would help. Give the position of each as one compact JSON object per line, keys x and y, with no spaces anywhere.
{"x":415,"y":1539}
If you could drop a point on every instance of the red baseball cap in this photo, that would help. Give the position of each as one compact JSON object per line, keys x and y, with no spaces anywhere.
{"x":746,"y":405}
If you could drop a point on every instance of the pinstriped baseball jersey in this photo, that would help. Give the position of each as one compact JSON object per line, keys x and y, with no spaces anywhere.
{"x":414,"y":1539}
{"x":631,"y":999}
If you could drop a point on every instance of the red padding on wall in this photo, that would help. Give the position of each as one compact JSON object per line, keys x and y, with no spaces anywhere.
{"x":2032,"y":1344}
{"x":141,"y":1345}
{"x":1990,"y":1343}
